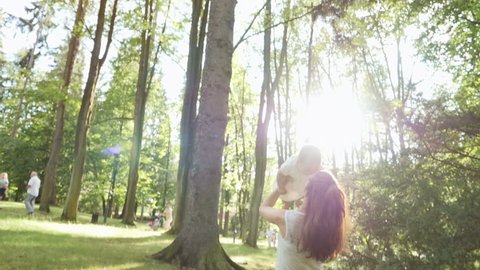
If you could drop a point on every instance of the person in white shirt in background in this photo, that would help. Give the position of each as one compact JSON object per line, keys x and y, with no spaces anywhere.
{"x":271,"y":237}
{"x":3,"y":185}
{"x":168,"y":214}
{"x":33,"y":188}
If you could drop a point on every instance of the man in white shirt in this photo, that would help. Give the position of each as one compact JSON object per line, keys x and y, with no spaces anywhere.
{"x":294,"y":173}
{"x":32,"y":192}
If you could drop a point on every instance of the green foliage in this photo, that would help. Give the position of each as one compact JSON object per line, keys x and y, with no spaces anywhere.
{"x":419,"y":212}
{"x":417,"y":216}
{"x":239,"y":157}
{"x":451,"y":41}
{"x":413,"y":212}
{"x":29,"y":151}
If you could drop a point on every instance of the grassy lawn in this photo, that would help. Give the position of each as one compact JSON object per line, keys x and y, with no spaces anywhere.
{"x":43,"y":242}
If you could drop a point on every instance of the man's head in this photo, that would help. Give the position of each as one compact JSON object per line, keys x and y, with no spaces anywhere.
{"x":33,"y":174}
{"x":309,"y":159}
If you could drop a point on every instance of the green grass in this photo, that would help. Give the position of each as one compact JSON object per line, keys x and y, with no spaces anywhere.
{"x":41,"y":241}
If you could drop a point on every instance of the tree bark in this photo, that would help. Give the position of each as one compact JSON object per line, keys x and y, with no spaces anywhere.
{"x":197,"y":244}
{"x":86,"y":110}
{"x":189,"y":109}
{"x":141,"y":96}
{"x":48,"y":196}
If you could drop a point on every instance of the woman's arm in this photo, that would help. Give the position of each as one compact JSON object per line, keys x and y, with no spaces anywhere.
{"x":271,"y":214}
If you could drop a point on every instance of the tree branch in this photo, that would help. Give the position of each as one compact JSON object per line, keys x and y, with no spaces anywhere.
{"x":242,"y":38}
{"x":463,"y":154}
{"x":110,"y":32}
{"x":447,"y":162}
{"x":310,"y":11}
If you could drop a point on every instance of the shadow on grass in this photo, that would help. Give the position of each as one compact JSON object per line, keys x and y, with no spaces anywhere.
{"x":39,"y":242}
{"x":251,"y":258}
{"x":38,"y":250}
{"x":16,"y":210}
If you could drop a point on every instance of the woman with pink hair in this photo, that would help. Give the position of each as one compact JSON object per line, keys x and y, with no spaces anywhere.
{"x":314,"y":233}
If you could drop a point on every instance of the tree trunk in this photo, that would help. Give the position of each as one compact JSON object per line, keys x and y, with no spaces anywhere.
{"x":140,"y":103}
{"x":224,"y":194}
{"x":225,"y":223}
{"x":85,"y":114}
{"x":243,"y":171}
{"x":243,"y":212}
{"x":281,"y":124}
{"x":398,"y":90}
{"x":400,"y":111}
{"x":379,"y":144}
{"x":288,"y":140}
{"x":263,"y":121}
{"x":221,"y":213}
{"x":277,"y":119}
{"x":167,"y":169}
{"x":189,"y":109}
{"x":48,"y":196}
{"x":310,"y":63}
{"x":197,"y":244}
{"x":262,"y":131}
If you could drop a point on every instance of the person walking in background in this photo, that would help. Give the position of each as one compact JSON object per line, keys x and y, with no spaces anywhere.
{"x":33,"y":188}
{"x":3,"y":185}
{"x":168,"y":214}
{"x":317,"y":231}
{"x":271,"y":237}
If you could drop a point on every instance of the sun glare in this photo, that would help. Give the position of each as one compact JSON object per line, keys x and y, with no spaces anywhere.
{"x":333,"y":121}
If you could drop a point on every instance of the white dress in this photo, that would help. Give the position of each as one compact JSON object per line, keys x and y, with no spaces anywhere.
{"x":288,"y":256}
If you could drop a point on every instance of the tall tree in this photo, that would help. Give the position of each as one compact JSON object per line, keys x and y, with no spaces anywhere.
{"x":140,"y":102}
{"x":198,"y":247}
{"x":189,"y":109}
{"x":282,"y":125}
{"x":86,"y":111}
{"x":264,"y":114}
{"x":48,"y":192}
{"x":39,"y":19}
{"x":237,"y":183}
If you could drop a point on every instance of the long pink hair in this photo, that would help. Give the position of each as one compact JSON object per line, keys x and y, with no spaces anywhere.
{"x":324,"y":230}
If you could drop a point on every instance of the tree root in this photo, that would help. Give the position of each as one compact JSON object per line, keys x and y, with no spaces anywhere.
{"x":214,"y":259}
